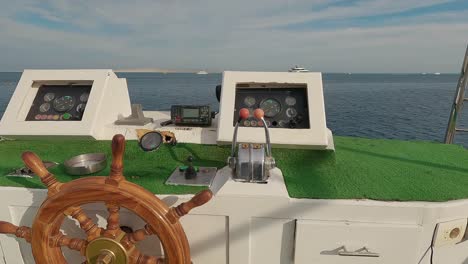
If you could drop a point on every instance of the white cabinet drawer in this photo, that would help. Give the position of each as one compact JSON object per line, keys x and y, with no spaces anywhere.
{"x":320,"y":242}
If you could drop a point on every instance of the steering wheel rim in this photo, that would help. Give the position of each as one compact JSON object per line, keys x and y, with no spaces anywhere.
{"x":108,"y":245}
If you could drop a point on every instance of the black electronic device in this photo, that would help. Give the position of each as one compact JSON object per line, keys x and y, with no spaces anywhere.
{"x":191,"y":115}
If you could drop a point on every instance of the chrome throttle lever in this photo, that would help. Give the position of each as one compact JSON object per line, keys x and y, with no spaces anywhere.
{"x":252,"y":161}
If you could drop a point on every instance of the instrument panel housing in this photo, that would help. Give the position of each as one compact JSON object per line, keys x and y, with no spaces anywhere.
{"x":313,"y":134}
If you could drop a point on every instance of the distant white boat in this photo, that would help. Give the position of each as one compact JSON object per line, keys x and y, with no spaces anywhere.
{"x":298,"y":69}
{"x":202,"y":72}
{"x":436,"y":73}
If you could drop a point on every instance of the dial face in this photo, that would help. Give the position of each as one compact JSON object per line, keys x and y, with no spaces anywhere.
{"x":49,"y":97}
{"x":290,"y":100}
{"x":249,"y":101}
{"x":84,"y":97}
{"x":271,"y":107}
{"x":283,"y":123}
{"x":291,"y":112}
{"x":64,"y":103}
{"x":44,"y":107}
{"x":80,"y":108}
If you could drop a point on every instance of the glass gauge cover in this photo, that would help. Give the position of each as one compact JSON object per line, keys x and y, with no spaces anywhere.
{"x":44,"y":107}
{"x":151,"y":141}
{"x":84,"y":97}
{"x":249,"y":101}
{"x":80,"y":108}
{"x":49,"y":97}
{"x":64,"y":103}
{"x":271,"y":107}
{"x":290,"y":100}
{"x":291,"y":112}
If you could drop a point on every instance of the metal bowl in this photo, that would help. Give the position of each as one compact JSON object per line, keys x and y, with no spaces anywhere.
{"x":86,"y":164}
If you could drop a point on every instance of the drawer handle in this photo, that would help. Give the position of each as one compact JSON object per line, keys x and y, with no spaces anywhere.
{"x":362,"y":252}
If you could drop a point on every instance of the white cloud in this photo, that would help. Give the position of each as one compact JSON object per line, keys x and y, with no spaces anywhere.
{"x":229,"y":35}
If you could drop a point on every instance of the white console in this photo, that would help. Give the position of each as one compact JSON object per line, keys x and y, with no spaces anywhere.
{"x":68,"y":103}
{"x":293,"y":104}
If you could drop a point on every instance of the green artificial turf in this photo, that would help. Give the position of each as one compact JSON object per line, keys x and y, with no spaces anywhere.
{"x":360,"y":168}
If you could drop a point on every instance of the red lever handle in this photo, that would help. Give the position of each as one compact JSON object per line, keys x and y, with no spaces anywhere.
{"x":244,"y":113}
{"x":258,"y":113}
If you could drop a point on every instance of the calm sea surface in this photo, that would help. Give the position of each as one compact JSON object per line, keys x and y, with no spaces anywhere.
{"x":398,"y":106}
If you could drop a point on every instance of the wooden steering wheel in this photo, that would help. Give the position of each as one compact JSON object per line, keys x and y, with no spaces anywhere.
{"x":109,"y":245}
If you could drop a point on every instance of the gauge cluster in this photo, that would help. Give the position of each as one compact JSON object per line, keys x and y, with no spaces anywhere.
{"x":59,"y":103}
{"x":283,"y":107}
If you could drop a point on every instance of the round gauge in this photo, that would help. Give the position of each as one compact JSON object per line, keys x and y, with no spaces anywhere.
{"x":291,"y":112}
{"x":44,"y":107}
{"x":253,"y":123}
{"x":64,"y":103}
{"x":49,"y":97}
{"x":290,"y":100}
{"x":271,"y":107}
{"x":249,"y":101}
{"x":80,"y":108}
{"x":151,"y":141}
{"x":84,"y":97}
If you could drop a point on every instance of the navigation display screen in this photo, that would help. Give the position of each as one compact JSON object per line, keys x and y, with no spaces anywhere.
{"x":191,"y":113}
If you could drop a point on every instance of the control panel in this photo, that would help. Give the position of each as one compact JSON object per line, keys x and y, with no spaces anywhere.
{"x":292,"y":103}
{"x":59,"y":103}
{"x":191,"y":115}
{"x":283,"y":107}
{"x":65,"y":103}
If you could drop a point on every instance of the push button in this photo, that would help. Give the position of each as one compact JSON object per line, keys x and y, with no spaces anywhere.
{"x":66,"y":116}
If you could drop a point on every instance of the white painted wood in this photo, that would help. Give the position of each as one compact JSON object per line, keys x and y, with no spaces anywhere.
{"x":315,"y":137}
{"x":224,"y":185}
{"x":272,"y":240}
{"x":457,"y":254}
{"x":251,"y":217}
{"x":208,"y":238}
{"x":107,"y":100}
{"x":2,"y":256}
{"x":318,"y":242}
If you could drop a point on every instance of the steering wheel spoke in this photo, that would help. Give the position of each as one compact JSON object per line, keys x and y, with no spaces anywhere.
{"x":19,"y":231}
{"x":131,"y":239}
{"x":91,"y":229}
{"x":113,"y":220}
{"x":62,"y":240}
{"x":66,"y":199}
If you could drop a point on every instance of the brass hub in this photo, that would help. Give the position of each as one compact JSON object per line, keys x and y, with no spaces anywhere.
{"x":105,"y":250}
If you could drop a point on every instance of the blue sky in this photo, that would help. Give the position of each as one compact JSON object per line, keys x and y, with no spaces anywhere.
{"x":269,"y":35}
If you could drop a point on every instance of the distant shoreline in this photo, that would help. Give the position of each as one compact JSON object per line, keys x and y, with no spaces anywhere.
{"x":157,"y":70}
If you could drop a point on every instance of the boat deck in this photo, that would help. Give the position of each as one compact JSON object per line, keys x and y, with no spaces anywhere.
{"x":378,"y":169}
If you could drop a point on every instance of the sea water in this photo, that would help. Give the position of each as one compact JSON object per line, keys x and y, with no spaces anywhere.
{"x":395,"y":106}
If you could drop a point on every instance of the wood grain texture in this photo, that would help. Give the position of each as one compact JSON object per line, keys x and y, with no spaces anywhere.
{"x":128,"y":195}
{"x":118,"y":150}
{"x":19,"y":231}
{"x":198,"y":199}
{"x":34,"y":163}
{"x":113,"y":220}
{"x":65,"y":199}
